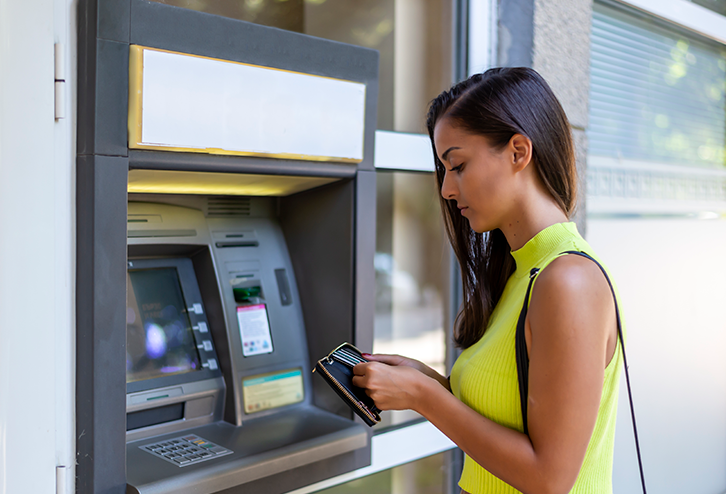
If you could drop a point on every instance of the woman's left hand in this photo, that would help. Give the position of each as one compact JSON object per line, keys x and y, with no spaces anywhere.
{"x":391,"y":387}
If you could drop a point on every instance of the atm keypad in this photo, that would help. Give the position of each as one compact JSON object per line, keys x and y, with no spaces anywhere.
{"x":186,"y":450}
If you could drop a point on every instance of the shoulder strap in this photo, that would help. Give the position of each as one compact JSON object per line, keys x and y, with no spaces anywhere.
{"x":523,"y":357}
{"x":520,"y":343}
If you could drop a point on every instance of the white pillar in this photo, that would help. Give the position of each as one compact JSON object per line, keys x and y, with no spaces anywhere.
{"x":36,"y":256}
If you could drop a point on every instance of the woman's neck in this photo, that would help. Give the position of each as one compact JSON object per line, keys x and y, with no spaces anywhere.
{"x":530,"y":220}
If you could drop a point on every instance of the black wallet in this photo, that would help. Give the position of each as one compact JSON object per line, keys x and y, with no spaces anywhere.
{"x":337,"y":370}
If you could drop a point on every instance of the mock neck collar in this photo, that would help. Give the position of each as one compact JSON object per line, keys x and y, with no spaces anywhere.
{"x":541,"y":246}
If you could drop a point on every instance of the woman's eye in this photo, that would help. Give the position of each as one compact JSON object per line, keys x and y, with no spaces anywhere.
{"x":457,"y":169}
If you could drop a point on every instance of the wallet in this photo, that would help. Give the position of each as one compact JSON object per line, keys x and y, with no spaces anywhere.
{"x":337,"y":370}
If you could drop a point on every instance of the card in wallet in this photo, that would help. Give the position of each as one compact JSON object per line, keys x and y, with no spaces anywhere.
{"x":337,"y":370}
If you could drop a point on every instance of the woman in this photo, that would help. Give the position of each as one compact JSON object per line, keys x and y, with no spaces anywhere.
{"x":505,"y":167}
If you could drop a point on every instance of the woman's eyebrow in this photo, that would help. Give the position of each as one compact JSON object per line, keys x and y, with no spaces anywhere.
{"x":444,"y":157}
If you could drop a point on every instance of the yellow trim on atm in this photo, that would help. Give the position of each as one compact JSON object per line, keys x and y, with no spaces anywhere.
{"x":136,"y":85}
{"x":180,"y":182}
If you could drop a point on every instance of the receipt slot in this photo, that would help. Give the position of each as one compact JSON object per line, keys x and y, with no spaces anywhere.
{"x":226,"y":235}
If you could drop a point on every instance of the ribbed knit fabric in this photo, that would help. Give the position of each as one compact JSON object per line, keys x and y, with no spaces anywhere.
{"x":485,"y":375}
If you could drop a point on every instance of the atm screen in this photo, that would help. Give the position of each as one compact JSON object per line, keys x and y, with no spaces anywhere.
{"x":159,"y":338}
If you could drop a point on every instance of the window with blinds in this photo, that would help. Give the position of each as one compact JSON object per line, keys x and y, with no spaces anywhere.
{"x":656,"y":94}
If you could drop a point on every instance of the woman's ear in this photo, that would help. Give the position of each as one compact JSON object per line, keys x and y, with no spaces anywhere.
{"x":520,"y":149}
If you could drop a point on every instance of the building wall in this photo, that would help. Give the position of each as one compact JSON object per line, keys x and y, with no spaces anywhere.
{"x":561,"y":53}
{"x":36,"y":260}
{"x":553,"y":37}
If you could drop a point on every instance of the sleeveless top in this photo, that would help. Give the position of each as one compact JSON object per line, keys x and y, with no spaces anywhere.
{"x":484,"y":376}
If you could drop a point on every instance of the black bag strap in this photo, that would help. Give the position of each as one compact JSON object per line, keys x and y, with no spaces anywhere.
{"x":523,"y":356}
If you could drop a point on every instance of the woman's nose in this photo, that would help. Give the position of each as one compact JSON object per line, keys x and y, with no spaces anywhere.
{"x":448,"y":187}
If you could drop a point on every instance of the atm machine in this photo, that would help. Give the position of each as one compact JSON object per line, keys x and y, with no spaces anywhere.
{"x":219,"y":383}
{"x":225,"y":243}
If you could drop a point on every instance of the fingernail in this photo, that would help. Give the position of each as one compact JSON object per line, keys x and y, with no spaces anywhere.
{"x":366,"y":355}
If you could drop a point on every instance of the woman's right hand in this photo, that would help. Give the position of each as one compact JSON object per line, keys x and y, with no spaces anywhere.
{"x":399,"y":360}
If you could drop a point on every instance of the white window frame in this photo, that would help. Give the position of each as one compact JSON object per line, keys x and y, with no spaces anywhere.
{"x":412,"y":152}
{"x":482,"y":39}
{"x":403,"y":152}
{"x":685,"y":14}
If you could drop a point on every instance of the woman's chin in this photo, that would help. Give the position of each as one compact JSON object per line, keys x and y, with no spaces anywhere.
{"x":477,"y":227}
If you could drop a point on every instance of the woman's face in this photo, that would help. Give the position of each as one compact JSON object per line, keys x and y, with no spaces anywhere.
{"x":480,"y":178}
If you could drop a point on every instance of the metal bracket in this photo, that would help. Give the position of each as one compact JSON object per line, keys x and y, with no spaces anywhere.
{"x":61,"y":474}
{"x":60,"y":81}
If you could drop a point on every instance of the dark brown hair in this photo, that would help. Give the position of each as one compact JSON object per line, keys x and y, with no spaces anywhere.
{"x":498,"y":104}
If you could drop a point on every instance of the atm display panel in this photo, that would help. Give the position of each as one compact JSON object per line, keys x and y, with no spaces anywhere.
{"x":165,"y":335}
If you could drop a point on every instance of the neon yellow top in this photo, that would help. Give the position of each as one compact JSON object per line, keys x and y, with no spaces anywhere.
{"x":485,"y":375}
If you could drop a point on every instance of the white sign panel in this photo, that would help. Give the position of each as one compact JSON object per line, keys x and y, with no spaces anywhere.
{"x":192,"y":103}
{"x":254,"y":328}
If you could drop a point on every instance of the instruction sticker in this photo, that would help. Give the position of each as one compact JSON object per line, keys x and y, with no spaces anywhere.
{"x":254,"y":328}
{"x":272,"y":390}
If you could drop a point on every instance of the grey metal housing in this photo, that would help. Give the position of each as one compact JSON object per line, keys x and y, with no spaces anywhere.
{"x":106,"y":29}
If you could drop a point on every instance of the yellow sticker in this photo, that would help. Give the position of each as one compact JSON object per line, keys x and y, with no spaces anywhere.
{"x":272,"y":390}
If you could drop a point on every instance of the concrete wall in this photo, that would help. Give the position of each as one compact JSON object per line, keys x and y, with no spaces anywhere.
{"x":553,"y":37}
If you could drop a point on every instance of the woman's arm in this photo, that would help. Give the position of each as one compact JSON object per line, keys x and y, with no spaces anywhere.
{"x":571,"y":324}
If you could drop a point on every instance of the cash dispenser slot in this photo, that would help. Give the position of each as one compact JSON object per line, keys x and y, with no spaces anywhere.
{"x":219,"y":390}
{"x":154,"y":416}
{"x":248,"y":243}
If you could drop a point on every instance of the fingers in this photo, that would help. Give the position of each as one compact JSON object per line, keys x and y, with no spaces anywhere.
{"x":360,"y":369}
{"x":364,"y":373}
{"x":363,"y":380}
{"x":360,"y":378}
{"x":385,"y":358}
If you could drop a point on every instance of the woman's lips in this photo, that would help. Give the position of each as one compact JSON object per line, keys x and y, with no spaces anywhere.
{"x":463,"y":209}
